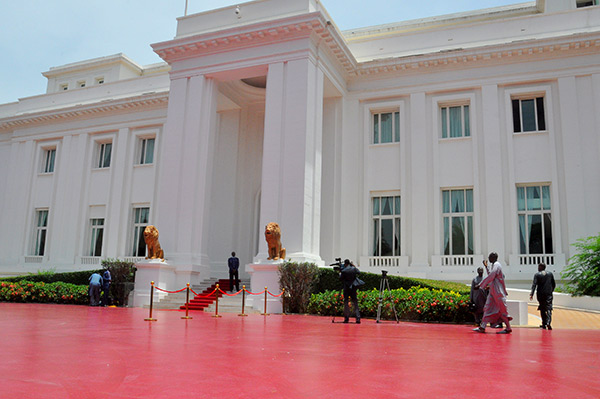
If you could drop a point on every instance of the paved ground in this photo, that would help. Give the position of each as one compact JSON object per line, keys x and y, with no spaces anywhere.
{"x":60,"y":351}
{"x":566,"y":319}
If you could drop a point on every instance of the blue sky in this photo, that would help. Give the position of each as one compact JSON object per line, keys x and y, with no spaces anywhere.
{"x":38,"y":34}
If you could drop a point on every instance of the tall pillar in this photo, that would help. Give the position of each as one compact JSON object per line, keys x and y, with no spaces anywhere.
{"x":419,"y":211}
{"x":185,"y":176}
{"x":492,"y":201}
{"x":291,"y":169}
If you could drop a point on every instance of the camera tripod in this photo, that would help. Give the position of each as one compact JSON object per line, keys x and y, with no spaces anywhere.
{"x":383,"y":285}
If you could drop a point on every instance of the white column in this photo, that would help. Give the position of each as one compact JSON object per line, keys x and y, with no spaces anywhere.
{"x":291,"y":177}
{"x":419,"y":182}
{"x":118,"y":207}
{"x":491,"y":198}
{"x":185,"y":174}
{"x":575,"y":206}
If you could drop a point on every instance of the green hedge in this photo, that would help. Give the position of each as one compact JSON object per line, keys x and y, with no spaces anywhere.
{"x":77,"y":278}
{"x":414,"y":303}
{"x":328,"y":280}
{"x":31,"y":291}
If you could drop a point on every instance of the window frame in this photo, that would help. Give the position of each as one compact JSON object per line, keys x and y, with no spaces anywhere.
{"x":468,"y":225}
{"x":536,"y":99}
{"x":40,"y":232}
{"x":100,"y":161}
{"x":48,"y":159}
{"x":396,"y":126}
{"x":95,"y":231}
{"x":395,"y":216}
{"x":141,"y":151}
{"x":542,"y":212}
{"x":137,"y":230}
{"x":465,"y":128}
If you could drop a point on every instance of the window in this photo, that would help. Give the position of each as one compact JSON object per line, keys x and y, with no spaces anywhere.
{"x":96,"y":235}
{"x":386,"y":127}
{"x":386,"y":226}
{"x":49,"y":156}
{"x":41,"y":231}
{"x":81,"y":83}
{"x":146,"y":151}
{"x":103,"y":154}
{"x":457,"y":218}
{"x":64,"y":86}
{"x":455,"y":121}
{"x":528,"y":115}
{"x":99,"y":80}
{"x":140,"y":221}
{"x":587,"y":3}
{"x":535,"y":219}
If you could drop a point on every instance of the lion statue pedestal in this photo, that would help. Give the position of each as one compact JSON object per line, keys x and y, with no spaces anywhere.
{"x":264,"y":273}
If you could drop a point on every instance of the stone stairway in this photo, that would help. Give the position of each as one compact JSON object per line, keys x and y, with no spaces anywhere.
{"x":226,"y":304}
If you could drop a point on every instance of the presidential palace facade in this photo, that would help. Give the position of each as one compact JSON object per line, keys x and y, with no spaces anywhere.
{"x":416,"y":147}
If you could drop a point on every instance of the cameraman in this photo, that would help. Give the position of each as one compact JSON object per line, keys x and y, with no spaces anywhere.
{"x":348,"y":276}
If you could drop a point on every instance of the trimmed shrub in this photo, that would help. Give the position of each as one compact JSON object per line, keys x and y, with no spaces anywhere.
{"x":328,"y":280}
{"x":122,"y":274}
{"x":77,"y":278}
{"x":298,"y":280}
{"x":41,"y":292}
{"x":414,"y":303}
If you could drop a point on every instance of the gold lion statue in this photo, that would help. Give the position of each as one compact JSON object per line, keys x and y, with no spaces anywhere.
{"x":151,"y":238}
{"x":273,"y":237}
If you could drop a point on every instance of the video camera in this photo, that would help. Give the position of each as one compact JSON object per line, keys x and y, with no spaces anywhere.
{"x":337,"y":266}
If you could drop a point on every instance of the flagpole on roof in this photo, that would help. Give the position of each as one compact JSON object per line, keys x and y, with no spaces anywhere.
{"x":186,"y":4}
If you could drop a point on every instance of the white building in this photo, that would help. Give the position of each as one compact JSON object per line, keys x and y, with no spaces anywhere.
{"x":417,"y":147}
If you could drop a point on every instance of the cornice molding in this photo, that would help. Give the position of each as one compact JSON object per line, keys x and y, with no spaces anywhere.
{"x":312,"y":25}
{"x":98,"y":109}
{"x":531,"y":50}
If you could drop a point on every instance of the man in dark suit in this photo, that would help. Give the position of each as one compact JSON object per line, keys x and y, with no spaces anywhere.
{"x":348,"y":276}
{"x":544,"y":281}
{"x":234,"y":279}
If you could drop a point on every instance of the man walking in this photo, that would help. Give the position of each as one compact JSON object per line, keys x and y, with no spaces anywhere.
{"x":545,"y":284}
{"x":234,"y":265}
{"x":478,"y":296}
{"x":495,"y":305}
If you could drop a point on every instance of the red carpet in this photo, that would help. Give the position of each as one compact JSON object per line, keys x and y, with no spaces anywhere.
{"x":59,"y":351}
{"x":205,"y":298}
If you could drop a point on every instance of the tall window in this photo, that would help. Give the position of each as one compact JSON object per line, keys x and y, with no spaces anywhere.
{"x":587,"y":3}
{"x":96,"y":235}
{"x":104,"y":155}
{"x":455,"y":121}
{"x":528,"y":115}
{"x":140,"y":221}
{"x":386,"y":127}
{"x":457,"y":217}
{"x":48,"y":159}
{"x":535,"y":220}
{"x":41,"y":231}
{"x":146,"y":151}
{"x":386,"y":226}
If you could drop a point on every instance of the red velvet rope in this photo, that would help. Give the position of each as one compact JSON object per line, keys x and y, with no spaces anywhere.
{"x":170,"y":292}
{"x":259,"y":293}
{"x":203,"y":296}
{"x":276,"y":296}
{"x":223,"y":292}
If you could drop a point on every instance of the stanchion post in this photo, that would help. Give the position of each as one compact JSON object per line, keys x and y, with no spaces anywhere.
{"x":151,"y":302}
{"x":243,"y":301}
{"x":217,"y":302}
{"x":265,"y":313}
{"x":283,"y":301}
{"x":187,"y":303}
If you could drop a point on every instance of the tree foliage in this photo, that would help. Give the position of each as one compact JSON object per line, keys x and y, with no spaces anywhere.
{"x":298,"y":280}
{"x":582,"y":275}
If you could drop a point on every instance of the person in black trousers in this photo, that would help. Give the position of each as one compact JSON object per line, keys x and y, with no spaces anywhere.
{"x":544,"y":281}
{"x":234,"y":265}
{"x":348,"y":275}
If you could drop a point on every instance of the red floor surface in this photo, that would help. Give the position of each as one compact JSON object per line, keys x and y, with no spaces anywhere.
{"x":56,"y":351}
